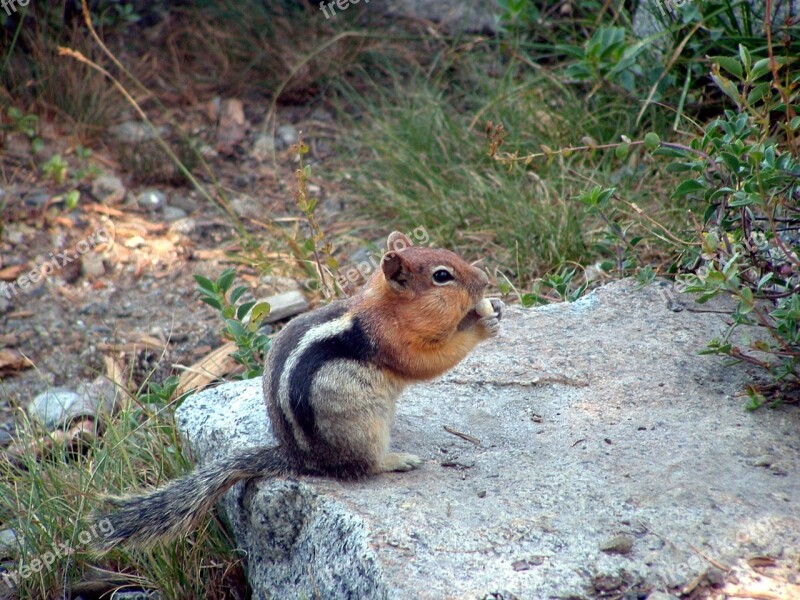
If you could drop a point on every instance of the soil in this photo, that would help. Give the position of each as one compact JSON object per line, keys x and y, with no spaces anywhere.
{"x":120,"y":275}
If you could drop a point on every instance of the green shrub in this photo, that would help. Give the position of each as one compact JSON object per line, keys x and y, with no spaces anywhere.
{"x":744,"y":173}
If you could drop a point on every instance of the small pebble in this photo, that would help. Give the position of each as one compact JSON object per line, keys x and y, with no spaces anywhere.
{"x":183,"y":226}
{"x":287,"y":134}
{"x":36,"y":198}
{"x":151,"y":200}
{"x":172,"y":213}
{"x":621,"y":544}
{"x":108,"y":189}
{"x":9,"y":543}
{"x":263,"y":147}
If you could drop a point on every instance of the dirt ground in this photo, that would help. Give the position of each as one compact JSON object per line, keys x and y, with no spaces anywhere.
{"x":119,"y":273}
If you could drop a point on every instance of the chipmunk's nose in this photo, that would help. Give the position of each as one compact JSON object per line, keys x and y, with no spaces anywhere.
{"x":483,"y":277}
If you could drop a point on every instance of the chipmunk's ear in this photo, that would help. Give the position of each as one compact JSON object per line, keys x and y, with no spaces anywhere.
{"x":395,"y":269}
{"x":398,"y":241}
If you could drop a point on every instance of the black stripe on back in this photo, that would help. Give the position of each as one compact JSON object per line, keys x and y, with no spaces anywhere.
{"x":351,"y":344}
{"x":288,"y":339}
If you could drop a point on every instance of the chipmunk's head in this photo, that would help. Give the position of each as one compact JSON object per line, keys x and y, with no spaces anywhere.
{"x":432,"y":283}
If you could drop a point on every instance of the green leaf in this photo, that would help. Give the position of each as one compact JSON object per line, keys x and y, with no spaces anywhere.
{"x":645,"y":276}
{"x":755,"y":400}
{"x":672,"y":152}
{"x":226,"y":279}
{"x":744,"y":56}
{"x":731,"y":65}
{"x":678,"y":167}
{"x":211,"y":302}
{"x":742,"y":199}
{"x":71,"y":199}
{"x":205,"y":283}
{"x":689,"y":186}
{"x":731,"y":161}
{"x":758,"y":92}
{"x":710,"y":211}
{"x":723,"y":191}
{"x":260,"y":311}
{"x":727,"y":87}
{"x":244,"y":309}
{"x":238,"y":293}
{"x":761,"y":67}
{"x":235,"y":328}
{"x":528,"y":300}
{"x":765,"y":280}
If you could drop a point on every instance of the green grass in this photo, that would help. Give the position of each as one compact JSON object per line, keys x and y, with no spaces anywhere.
{"x":47,"y":502}
{"x":421,"y":159}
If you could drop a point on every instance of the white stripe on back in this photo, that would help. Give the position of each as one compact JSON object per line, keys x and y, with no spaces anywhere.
{"x":316,"y":334}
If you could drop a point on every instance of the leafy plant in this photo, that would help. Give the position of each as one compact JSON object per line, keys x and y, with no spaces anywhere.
{"x":71,"y":199}
{"x":517,"y":14}
{"x":241,"y":320}
{"x":26,"y":124}
{"x":555,"y":287}
{"x":616,"y":243}
{"x":55,"y":169}
{"x":315,"y":254}
{"x":605,"y":58}
{"x":745,"y":172}
{"x":114,"y":15}
{"x":85,"y":168}
{"x":161,"y":394}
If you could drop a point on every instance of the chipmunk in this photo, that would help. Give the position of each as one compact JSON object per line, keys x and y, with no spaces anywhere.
{"x":331,"y":380}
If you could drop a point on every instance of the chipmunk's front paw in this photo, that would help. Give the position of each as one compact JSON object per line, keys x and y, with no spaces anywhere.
{"x":400,"y":461}
{"x":491,"y":322}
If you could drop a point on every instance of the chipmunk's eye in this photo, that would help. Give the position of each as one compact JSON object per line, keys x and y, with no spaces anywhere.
{"x":442,"y":276}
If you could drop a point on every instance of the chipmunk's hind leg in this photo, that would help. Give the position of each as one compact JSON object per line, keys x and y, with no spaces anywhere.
{"x":354,"y":411}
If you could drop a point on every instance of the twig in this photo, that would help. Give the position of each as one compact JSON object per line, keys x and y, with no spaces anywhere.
{"x":463,"y":436}
{"x":711,"y":561}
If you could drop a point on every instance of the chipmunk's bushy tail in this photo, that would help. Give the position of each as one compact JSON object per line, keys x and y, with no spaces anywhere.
{"x":171,"y":510}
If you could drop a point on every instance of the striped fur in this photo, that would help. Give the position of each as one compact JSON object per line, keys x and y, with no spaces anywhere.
{"x":331,"y":382}
{"x":172,"y":510}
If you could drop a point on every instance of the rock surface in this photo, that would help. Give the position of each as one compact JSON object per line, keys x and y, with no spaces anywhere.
{"x":454,"y":15}
{"x":597,"y":420}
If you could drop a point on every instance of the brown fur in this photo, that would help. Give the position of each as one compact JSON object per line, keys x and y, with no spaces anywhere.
{"x":331,"y":382}
{"x":418,"y":328}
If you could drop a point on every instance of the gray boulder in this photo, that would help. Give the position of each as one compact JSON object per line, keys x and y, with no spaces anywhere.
{"x":597,"y":423}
